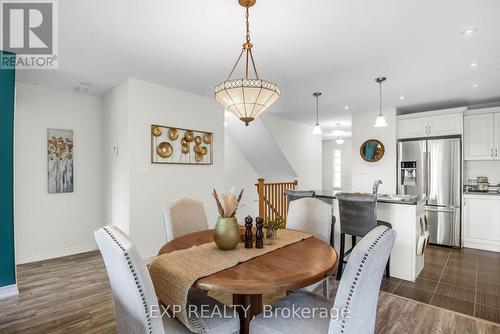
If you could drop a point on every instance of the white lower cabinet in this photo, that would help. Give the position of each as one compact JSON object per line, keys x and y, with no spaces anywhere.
{"x":481,"y":222}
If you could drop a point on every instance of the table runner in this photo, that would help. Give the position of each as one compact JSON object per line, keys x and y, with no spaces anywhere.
{"x":173,"y":274}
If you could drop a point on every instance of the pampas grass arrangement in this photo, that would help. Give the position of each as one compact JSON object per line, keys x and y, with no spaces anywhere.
{"x":230,"y":202}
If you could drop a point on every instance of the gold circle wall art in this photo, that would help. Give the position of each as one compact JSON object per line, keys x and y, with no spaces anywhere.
{"x":165,"y":150}
{"x":173,"y":134}
{"x":157,"y":131}
{"x":207,"y":138}
{"x":189,"y":135}
{"x":175,"y":145}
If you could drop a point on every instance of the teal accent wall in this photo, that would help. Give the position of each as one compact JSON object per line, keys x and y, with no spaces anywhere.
{"x":7,"y":261}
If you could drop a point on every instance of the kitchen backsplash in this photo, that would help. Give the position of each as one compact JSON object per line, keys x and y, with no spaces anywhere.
{"x":491,"y":169}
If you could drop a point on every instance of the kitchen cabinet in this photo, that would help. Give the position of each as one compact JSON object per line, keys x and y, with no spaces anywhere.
{"x":431,"y":124}
{"x":496,"y":126}
{"x":481,"y":222}
{"x":482,"y":135}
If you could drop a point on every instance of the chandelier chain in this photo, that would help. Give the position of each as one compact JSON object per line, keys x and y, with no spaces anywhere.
{"x":247,"y":48}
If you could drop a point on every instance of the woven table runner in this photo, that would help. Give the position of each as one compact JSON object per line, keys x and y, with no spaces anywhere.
{"x":173,"y":274}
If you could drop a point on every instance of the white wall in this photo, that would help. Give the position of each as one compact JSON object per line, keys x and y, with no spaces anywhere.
{"x":239,"y":173}
{"x":346,"y":167}
{"x":365,"y":173}
{"x":301,"y":148}
{"x":491,"y":169}
{"x":52,"y":225}
{"x":154,"y":185}
{"x":116,"y":156}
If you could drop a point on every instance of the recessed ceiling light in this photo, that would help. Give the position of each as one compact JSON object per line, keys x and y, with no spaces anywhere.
{"x":346,"y":107}
{"x":475,"y":85}
{"x":473,"y":64}
{"x":469,"y":30}
{"x":402,"y":97}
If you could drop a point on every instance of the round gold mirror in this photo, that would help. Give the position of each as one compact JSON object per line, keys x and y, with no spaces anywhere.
{"x":372,"y":150}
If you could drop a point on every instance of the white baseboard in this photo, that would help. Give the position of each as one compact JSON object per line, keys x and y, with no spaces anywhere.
{"x":8,"y":291}
{"x":55,"y":253}
{"x":487,"y":246}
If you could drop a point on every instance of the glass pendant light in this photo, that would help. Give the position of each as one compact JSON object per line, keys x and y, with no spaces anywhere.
{"x":246,"y":97}
{"x":380,"y":122}
{"x":317,"y":128}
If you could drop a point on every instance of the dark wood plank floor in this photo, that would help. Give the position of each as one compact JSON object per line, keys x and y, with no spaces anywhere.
{"x":72,"y":295}
{"x":465,"y":281}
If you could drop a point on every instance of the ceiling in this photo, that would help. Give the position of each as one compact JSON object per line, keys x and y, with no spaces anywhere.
{"x":333,"y":46}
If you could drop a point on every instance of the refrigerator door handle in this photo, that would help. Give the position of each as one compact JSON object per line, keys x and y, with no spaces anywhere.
{"x":438,"y":209}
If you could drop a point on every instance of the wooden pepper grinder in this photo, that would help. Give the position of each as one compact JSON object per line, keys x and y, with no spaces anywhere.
{"x":259,"y":235}
{"x":248,"y":232}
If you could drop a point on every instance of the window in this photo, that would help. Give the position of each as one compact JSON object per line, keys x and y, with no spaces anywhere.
{"x":337,"y":169}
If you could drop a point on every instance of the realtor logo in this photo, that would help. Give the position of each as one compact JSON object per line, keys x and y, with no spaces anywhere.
{"x":29,"y":29}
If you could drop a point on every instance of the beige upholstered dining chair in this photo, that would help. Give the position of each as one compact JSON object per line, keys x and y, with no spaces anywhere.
{"x":136,"y":304}
{"x":355,"y":307}
{"x":313,"y":216}
{"x":184,"y":216}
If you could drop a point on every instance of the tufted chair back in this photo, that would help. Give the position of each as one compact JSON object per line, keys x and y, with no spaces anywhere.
{"x":357,"y":213}
{"x":131,"y":284}
{"x":360,"y":284}
{"x":310,"y":215}
{"x":184,"y":216}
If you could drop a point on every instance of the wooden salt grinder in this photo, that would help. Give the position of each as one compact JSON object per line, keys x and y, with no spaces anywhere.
{"x":248,"y":232}
{"x":259,"y":235}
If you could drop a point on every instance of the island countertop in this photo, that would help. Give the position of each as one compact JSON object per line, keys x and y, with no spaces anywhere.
{"x":330,"y":194}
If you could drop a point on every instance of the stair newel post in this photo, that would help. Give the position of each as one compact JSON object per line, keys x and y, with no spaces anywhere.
{"x":260,"y":191}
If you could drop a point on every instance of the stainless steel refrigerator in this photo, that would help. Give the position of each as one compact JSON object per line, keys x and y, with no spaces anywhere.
{"x":432,"y":168}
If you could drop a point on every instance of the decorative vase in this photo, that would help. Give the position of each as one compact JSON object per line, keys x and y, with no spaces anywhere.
{"x":271,"y":235}
{"x":227,"y":233}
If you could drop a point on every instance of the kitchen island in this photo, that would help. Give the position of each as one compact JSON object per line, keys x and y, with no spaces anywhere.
{"x":404,"y":215}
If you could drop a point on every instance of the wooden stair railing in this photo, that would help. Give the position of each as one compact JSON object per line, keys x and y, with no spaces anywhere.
{"x":273,"y":202}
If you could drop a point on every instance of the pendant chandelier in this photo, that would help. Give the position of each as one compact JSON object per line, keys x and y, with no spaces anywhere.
{"x":246,"y":97}
{"x":317,"y":128}
{"x":380,"y":122}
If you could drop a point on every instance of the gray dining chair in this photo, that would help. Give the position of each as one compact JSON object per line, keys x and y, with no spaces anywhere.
{"x":312,"y":216}
{"x":136,"y":304}
{"x":355,"y":307}
{"x":184,"y":216}
{"x":357,"y":216}
{"x":293,"y":195}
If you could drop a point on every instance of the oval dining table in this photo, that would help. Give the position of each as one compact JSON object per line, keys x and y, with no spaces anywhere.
{"x":291,"y":267}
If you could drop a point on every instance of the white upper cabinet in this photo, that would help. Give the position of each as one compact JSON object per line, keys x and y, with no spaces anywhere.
{"x":479,"y":138}
{"x":482,"y":134}
{"x":431,"y":124}
{"x":497,"y":135}
{"x":412,"y":127}
{"x":445,"y":125}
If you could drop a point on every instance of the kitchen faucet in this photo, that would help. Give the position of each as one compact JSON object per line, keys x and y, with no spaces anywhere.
{"x":375,"y":186}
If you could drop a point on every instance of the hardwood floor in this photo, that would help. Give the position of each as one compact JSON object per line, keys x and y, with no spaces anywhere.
{"x":465,"y":281}
{"x":72,"y":295}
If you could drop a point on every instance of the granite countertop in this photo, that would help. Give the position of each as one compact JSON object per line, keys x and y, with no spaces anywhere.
{"x":489,"y":193}
{"x":331,"y":195}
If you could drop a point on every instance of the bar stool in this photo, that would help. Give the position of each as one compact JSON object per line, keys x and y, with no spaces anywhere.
{"x":358,"y":216}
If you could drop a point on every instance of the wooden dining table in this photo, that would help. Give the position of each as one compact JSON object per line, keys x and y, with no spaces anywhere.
{"x":291,"y":267}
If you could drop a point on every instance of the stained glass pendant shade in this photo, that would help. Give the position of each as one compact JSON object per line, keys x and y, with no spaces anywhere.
{"x":246,"y":97}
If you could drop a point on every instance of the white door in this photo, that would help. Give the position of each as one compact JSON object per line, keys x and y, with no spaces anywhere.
{"x":445,"y":125}
{"x":497,"y":135}
{"x":479,"y":137}
{"x":412,"y":128}
{"x":482,"y":220}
